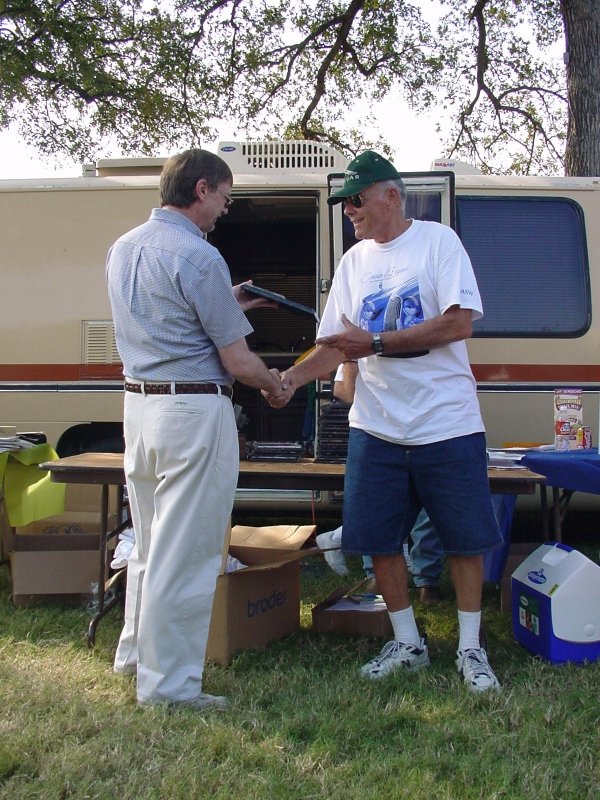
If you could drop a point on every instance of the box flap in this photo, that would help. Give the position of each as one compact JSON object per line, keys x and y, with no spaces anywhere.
{"x":332,"y":598}
{"x":271,"y":537}
{"x":264,"y":557}
{"x":342,"y":591}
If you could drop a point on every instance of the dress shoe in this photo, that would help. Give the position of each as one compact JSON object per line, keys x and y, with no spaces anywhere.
{"x":429,"y":595}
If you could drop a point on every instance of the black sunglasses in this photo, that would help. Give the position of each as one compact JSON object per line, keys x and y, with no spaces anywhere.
{"x":356,"y":200}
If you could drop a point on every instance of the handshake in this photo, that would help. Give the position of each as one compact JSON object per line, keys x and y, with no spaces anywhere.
{"x":284,"y":392}
{"x":351,"y":343}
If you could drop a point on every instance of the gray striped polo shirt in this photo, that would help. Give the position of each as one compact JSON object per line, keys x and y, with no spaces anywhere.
{"x":172,"y":302}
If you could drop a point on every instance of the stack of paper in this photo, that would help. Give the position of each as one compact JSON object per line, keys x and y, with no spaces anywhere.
{"x":510,"y":457}
{"x":10,"y":441}
{"x":505,"y":459}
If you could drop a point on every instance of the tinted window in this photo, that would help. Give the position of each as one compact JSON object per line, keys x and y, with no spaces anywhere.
{"x":530,"y":258}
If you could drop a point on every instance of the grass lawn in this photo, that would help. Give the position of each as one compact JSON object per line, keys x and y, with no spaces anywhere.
{"x":302,"y":724}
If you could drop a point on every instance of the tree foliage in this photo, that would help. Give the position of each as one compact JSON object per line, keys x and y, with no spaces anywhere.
{"x":77,"y":71}
{"x":163,"y":73}
{"x":509,"y":94}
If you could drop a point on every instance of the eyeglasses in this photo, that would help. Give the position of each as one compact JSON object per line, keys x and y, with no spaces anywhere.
{"x":228,"y":200}
{"x":356,"y":200}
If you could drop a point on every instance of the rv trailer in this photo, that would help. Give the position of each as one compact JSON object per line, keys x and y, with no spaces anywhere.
{"x":532,"y":240}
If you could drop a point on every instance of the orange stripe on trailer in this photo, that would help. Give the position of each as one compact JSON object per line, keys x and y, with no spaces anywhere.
{"x":493,"y":373}
{"x":59,"y":372}
{"x":536,"y":373}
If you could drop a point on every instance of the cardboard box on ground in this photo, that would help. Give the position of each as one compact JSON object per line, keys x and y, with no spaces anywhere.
{"x":57,"y":557}
{"x":335,"y":614}
{"x":261,"y":603}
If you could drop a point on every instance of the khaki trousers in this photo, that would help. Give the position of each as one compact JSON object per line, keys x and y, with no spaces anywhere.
{"x":181,"y":465}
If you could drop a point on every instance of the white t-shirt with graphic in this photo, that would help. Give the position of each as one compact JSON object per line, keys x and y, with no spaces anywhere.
{"x":392,"y":286}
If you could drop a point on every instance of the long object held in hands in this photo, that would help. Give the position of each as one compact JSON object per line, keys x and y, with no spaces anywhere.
{"x":281,"y":300}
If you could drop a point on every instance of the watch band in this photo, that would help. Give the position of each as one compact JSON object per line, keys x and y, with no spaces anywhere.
{"x":377,"y":344}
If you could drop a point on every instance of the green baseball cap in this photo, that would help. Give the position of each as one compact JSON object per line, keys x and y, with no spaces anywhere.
{"x":366,"y":169}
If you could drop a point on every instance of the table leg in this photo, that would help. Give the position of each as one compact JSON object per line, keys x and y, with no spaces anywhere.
{"x":105,"y":606}
{"x":103,"y":545}
{"x":557,"y":516}
{"x":544,"y":507}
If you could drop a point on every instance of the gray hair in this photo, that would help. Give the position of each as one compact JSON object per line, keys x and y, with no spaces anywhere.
{"x":181,"y":173}
{"x":397,"y":184}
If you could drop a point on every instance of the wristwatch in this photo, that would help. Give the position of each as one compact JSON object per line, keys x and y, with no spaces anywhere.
{"x":377,"y":344}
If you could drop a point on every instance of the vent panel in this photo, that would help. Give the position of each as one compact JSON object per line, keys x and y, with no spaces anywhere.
{"x":98,"y":342}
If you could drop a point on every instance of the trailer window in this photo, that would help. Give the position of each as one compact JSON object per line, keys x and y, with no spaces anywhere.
{"x":530,"y":258}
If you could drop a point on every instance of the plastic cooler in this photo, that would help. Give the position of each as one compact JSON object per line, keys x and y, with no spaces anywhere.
{"x":556,"y":604}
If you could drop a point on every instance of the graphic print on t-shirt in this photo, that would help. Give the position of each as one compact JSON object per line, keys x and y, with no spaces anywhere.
{"x":392,"y":309}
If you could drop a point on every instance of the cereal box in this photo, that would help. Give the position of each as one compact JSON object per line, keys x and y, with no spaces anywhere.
{"x":568,"y":418}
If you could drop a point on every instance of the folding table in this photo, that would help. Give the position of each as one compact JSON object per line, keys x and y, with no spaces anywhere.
{"x":106,"y":469}
{"x":566,"y":472}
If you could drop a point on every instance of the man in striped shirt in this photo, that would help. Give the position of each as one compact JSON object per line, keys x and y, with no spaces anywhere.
{"x":180,"y":330}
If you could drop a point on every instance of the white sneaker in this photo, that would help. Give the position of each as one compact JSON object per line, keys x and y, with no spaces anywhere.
{"x":476,"y":671}
{"x":334,"y":557}
{"x":123,"y":549}
{"x":394,"y":656}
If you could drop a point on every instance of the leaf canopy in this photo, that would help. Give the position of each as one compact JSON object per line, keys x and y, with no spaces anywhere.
{"x":151,"y":74}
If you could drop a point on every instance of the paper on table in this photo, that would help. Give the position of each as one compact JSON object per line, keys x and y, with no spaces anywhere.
{"x":501,"y":459}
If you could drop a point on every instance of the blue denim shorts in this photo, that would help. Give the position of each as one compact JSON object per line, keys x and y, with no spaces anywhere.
{"x":387,"y":484}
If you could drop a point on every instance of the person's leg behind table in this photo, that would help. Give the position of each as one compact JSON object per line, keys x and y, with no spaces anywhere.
{"x":379,"y":510}
{"x":451,"y":479}
{"x":331,"y":542}
{"x":141,"y":485}
{"x":426,"y":559}
{"x":195,"y":445}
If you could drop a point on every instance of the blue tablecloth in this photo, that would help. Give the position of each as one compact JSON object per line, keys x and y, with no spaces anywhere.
{"x":575,"y":470}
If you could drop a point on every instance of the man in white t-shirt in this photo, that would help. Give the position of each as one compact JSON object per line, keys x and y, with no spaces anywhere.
{"x":402,"y":302}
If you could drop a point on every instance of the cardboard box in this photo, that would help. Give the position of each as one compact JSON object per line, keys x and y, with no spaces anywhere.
{"x":84,"y":497}
{"x":55,"y":557}
{"x":6,"y":533}
{"x":334,"y":614}
{"x":516,"y":555}
{"x":261,"y":603}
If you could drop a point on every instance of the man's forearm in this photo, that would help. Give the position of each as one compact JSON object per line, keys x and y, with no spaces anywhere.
{"x":354,"y":342}
{"x":255,"y":373}
{"x":321,"y":361}
{"x":435,"y":332}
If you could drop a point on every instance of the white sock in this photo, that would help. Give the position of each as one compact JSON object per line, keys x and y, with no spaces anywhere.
{"x":405,"y":627}
{"x":469,"y":623}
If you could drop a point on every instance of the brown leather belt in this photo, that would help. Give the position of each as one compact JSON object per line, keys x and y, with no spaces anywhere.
{"x":178,"y":388}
